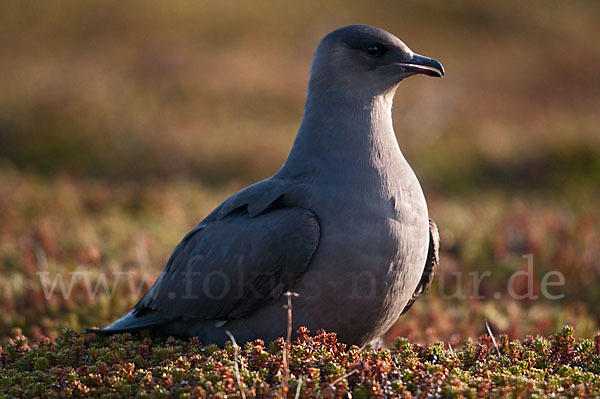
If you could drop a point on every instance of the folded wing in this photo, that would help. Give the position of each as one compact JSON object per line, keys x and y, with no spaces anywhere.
{"x":227,"y":268}
{"x":433,"y":260}
{"x":245,"y":253}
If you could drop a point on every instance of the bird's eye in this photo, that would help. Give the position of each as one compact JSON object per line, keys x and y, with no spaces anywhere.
{"x":375,"y":50}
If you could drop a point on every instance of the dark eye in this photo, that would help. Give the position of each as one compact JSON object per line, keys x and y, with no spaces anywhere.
{"x":375,"y":50}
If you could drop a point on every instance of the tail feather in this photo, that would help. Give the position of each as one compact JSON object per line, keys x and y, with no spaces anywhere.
{"x":131,"y":322}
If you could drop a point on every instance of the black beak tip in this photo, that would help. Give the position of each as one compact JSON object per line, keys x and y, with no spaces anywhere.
{"x":424,"y":65}
{"x":437,"y":65}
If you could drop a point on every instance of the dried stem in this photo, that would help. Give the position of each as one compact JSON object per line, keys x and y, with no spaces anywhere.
{"x":288,"y":343}
{"x":344,"y":376}
{"x":298,"y":388}
{"x":235,"y":360}
{"x":492,"y":336}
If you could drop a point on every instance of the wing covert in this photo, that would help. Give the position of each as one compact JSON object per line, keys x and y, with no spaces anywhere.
{"x":431,"y":265}
{"x":225,"y":268}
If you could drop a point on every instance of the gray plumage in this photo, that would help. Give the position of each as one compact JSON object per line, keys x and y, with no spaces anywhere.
{"x":344,"y":221}
{"x":431,"y":265}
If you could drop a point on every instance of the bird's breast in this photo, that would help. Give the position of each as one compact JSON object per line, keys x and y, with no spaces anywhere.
{"x":370,"y":257}
{"x":373,"y":226}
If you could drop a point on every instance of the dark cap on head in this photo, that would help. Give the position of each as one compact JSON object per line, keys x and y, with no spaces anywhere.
{"x":362,"y":57}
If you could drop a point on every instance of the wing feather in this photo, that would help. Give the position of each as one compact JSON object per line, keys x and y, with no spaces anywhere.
{"x":226,"y":268}
{"x":431,"y":264}
{"x":246,"y":252}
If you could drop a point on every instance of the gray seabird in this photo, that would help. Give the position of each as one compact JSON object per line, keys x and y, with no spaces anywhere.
{"x":344,"y":222}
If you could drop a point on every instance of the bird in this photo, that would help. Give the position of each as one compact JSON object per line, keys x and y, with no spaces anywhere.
{"x":344,"y":222}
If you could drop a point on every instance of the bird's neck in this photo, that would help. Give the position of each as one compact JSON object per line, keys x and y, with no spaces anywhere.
{"x":345,"y":133}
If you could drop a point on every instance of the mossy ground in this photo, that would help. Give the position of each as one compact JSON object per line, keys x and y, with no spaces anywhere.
{"x":122,"y":366}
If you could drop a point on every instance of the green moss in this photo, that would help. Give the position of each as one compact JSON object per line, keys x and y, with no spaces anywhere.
{"x":127,"y":366}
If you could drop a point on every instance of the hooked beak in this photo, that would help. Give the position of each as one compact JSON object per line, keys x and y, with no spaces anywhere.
{"x":424,"y":65}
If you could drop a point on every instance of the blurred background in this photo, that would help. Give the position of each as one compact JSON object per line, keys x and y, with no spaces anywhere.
{"x":122,"y":124}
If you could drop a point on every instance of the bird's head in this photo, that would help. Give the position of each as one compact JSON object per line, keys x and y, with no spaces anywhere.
{"x":366,"y":61}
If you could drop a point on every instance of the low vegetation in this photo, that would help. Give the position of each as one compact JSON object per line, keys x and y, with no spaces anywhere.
{"x":121,"y":366}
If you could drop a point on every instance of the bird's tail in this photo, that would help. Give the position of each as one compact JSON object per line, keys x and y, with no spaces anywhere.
{"x":132,"y":322}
